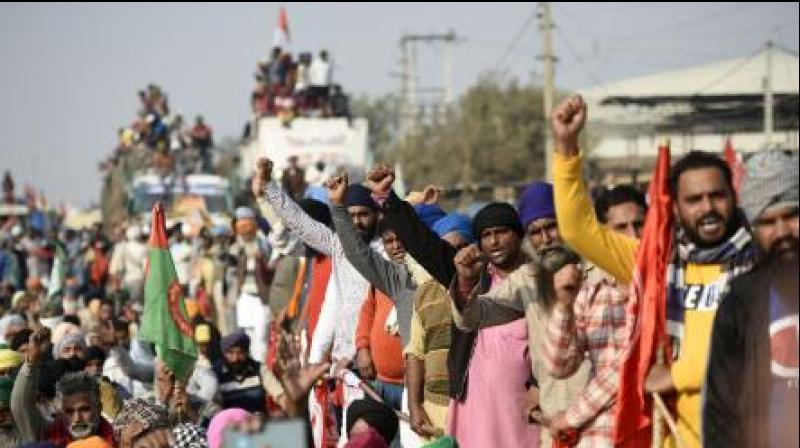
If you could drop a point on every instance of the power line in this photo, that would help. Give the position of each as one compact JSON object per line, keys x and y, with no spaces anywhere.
{"x":732,"y":9}
{"x":595,"y":79}
{"x":515,"y":40}
{"x":729,"y":72}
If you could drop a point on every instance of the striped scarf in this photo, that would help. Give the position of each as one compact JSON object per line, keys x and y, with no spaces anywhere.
{"x":736,"y":255}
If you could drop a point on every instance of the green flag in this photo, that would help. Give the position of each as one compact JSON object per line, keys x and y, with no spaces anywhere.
{"x":58,"y":272}
{"x":165,"y":321}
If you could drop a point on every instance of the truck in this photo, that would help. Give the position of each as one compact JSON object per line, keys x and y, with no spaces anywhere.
{"x":339,"y":143}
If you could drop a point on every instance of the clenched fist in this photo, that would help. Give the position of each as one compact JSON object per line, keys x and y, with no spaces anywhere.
{"x":568,"y":120}
{"x":261,"y":177}
{"x":380,"y":179}
{"x":470,"y":262}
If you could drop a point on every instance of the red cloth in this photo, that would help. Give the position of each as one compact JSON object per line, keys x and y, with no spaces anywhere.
{"x":57,"y":433}
{"x":99,"y":269}
{"x":648,"y":303}
{"x":386,"y":348}
{"x":369,"y":439}
{"x":320,"y":274}
{"x":735,"y":164}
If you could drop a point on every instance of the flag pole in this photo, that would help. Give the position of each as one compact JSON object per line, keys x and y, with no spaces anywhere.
{"x":660,"y":411}
{"x":658,"y":424}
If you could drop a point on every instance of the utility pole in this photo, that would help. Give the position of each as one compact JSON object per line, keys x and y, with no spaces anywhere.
{"x":768,"y":101}
{"x":449,"y":40}
{"x":549,"y":60}
{"x":411,"y":115}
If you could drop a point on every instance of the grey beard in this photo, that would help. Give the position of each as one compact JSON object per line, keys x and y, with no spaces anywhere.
{"x":82,"y":430}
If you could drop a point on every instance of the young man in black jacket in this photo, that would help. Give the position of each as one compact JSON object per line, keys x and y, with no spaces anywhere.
{"x":751,"y":388}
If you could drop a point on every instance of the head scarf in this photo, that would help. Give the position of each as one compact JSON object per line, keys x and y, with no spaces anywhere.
{"x":9,"y":321}
{"x":429,"y":213}
{"x":70,"y":339}
{"x":221,"y":421}
{"x":148,"y":413}
{"x":238,"y":337}
{"x":359,"y":195}
{"x":771,"y":180}
{"x":536,"y":202}
{"x":454,"y":222}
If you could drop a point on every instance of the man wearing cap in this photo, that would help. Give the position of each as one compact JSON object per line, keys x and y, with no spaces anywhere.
{"x":498,"y":369}
{"x":347,"y":288}
{"x":751,"y":386}
{"x":529,"y":291}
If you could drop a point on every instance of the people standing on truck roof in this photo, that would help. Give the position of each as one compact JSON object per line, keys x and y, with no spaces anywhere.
{"x":320,"y":76}
{"x":203,"y":140}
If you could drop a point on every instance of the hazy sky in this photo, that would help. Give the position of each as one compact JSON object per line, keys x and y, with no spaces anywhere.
{"x":69,"y":73}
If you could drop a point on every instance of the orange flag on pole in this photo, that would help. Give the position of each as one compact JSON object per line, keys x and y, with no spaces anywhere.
{"x":648,"y":303}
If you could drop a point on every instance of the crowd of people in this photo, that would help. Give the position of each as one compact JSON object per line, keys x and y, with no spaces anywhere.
{"x":287,"y":88}
{"x":163,"y":140}
{"x":361,"y":319}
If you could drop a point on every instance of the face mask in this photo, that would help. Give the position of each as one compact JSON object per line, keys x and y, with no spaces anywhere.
{"x":73,"y":364}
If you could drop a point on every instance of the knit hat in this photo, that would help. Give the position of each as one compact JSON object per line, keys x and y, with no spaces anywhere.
{"x":454,"y":222}
{"x":376,"y":415}
{"x":429,"y":213}
{"x":771,"y":180}
{"x":238,"y":337}
{"x":359,"y":195}
{"x":494,"y":215}
{"x":536,"y":202}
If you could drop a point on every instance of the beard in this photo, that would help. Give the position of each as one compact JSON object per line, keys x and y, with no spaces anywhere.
{"x":366,"y":233}
{"x":783,"y":251}
{"x":238,"y":369}
{"x":692,"y":231}
{"x":82,"y":430}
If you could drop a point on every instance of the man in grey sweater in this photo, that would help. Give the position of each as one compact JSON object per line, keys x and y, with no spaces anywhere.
{"x":390,"y":277}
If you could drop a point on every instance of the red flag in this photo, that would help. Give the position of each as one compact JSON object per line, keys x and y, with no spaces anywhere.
{"x":281,"y":36}
{"x":735,"y":164}
{"x":648,"y":303}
